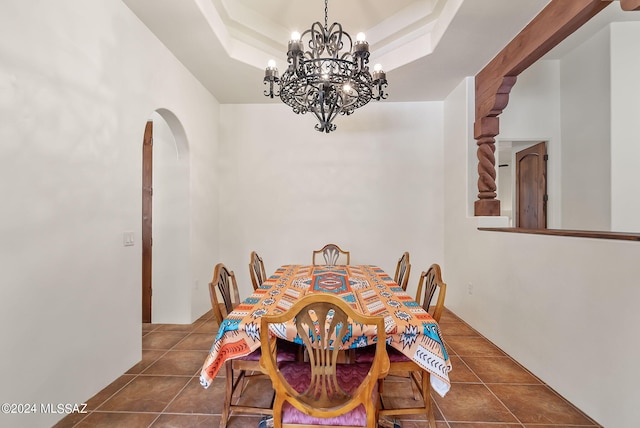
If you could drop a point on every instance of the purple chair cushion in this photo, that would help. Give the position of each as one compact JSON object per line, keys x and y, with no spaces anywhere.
{"x":350,"y":376}
{"x":254,"y":356}
{"x":366,"y":354}
{"x":287,"y":351}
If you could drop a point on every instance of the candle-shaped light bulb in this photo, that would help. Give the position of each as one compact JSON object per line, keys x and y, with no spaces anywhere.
{"x":271,"y":72}
{"x":294,"y":46}
{"x":379,"y":76}
{"x":361,"y":47}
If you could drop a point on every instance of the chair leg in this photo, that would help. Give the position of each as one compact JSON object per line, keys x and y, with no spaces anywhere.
{"x":277,"y":412}
{"x":426,"y":395}
{"x":415,"y":386}
{"x":239,"y":385}
{"x":228,"y":393}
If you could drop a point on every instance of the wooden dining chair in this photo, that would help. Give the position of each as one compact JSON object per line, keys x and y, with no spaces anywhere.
{"x":321,"y":391}
{"x":256,"y":269}
{"x":401,"y":365}
{"x":332,"y":254}
{"x":224,"y":283}
{"x":403,"y":269}
{"x":430,"y":282}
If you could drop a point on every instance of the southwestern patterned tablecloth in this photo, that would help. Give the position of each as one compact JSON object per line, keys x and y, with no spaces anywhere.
{"x":410,"y":329}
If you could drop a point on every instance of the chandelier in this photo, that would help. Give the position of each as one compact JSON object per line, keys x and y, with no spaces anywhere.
{"x":330,"y":78}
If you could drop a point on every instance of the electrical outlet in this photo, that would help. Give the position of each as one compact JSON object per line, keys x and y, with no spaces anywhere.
{"x":470,"y":288}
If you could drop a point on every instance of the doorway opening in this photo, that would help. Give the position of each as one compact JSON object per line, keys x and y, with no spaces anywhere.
{"x":165,"y":221}
{"x":522,"y":183}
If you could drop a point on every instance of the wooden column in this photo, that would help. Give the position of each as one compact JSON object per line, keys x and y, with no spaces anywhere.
{"x":485,"y":131}
{"x":553,"y":24}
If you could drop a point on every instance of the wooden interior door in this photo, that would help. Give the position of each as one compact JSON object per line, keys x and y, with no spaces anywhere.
{"x":147,"y":193}
{"x":531,"y":187}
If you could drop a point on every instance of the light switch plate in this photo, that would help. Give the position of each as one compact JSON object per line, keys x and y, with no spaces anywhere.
{"x":127,"y":239}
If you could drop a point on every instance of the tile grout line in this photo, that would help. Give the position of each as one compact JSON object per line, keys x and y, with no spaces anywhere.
{"x":444,"y":417}
{"x":540,"y":382}
{"x":195,"y":327}
{"x":489,"y":389}
{"x":484,"y":384}
{"x":171,"y":401}
{"x":97,"y":409}
{"x":106,"y":399}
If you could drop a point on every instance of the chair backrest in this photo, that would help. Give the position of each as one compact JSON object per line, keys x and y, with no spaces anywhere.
{"x":332,"y":255}
{"x":431,"y":280}
{"x":224,"y":281}
{"x":403,"y":269}
{"x":256,"y":269}
{"x":322,"y":320}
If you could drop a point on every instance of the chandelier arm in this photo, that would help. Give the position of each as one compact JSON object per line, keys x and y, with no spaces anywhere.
{"x":334,"y":40}
{"x":316,"y":42}
{"x":317,"y":108}
{"x":381,"y":94}
{"x":270,"y":92}
{"x":325,"y":125}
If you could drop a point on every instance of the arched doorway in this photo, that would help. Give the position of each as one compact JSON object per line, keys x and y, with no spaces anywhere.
{"x":165,"y":221}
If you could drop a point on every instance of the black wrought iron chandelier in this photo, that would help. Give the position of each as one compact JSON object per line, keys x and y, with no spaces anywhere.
{"x":330,"y":78}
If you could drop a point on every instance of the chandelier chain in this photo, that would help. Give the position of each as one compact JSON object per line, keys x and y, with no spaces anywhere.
{"x":326,"y":15}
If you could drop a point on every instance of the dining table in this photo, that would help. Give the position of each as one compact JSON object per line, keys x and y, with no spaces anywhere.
{"x":367,"y":288}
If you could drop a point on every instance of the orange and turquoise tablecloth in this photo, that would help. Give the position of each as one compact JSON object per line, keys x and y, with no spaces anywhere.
{"x":410,"y":329}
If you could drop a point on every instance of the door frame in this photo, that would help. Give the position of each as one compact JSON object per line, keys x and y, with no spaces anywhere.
{"x":536,"y":153}
{"x":147,"y":206}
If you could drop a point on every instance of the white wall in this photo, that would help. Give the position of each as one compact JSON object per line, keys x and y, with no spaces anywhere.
{"x":170,"y":278}
{"x":374,"y":186}
{"x":78,"y":81}
{"x":537,"y":96}
{"x":564,"y":307}
{"x":625,"y":126}
{"x":585,"y":76}
{"x":585,"y":105}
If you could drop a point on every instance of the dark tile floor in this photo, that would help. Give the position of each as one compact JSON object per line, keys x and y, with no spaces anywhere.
{"x":489,"y":389}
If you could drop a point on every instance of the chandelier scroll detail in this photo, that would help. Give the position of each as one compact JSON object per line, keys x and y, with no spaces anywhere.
{"x":332,"y":77}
